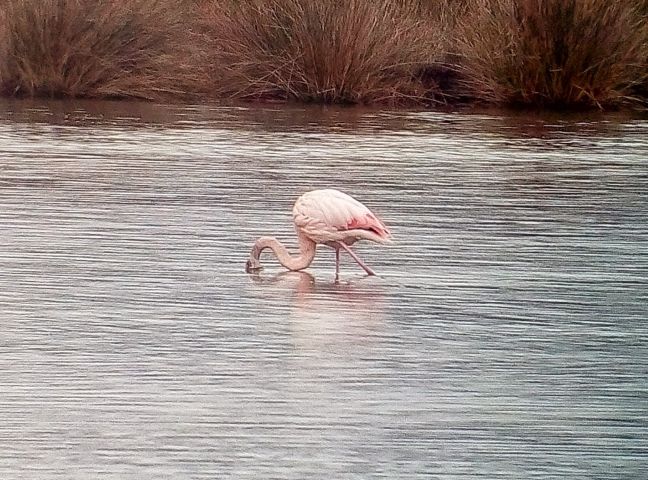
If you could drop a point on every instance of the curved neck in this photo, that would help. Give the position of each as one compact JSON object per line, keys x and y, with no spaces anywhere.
{"x":292,"y":262}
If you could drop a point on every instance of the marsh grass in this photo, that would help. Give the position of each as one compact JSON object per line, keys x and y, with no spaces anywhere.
{"x":540,"y":53}
{"x":555,"y":53}
{"x":356,"y":51}
{"x":104,"y":48}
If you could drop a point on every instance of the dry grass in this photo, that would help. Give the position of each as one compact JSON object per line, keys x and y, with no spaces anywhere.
{"x":547,"y":53}
{"x":104,"y":48}
{"x":330,"y":51}
{"x":556,"y":53}
{"x":641,"y":89}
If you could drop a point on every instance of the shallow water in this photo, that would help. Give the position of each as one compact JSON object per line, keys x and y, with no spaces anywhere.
{"x":505,"y":336}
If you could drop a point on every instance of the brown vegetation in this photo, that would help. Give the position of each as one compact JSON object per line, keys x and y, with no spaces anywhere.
{"x":562,"y":53}
{"x":322,"y":50}
{"x":87,"y":48}
{"x":555,"y":53}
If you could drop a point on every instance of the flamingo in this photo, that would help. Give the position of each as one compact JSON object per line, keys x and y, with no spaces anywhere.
{"x":327,"y":217}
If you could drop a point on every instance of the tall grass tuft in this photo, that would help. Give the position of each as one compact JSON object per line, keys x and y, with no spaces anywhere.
{"x":557,"y":53}
{"x":103,"y":48}
{"x":565,"y":53}
{"x":330,"y":51}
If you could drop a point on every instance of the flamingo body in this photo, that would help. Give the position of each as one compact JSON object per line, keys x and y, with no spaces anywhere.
{"x":327,"y":217}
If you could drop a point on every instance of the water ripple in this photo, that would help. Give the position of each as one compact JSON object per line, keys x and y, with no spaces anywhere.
{"x":504,"y":338}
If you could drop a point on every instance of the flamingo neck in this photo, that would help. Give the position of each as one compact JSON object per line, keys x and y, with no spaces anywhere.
{"x":292,"y":262}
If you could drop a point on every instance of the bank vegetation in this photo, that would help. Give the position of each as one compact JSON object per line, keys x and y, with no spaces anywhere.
{"x":537,"y":53}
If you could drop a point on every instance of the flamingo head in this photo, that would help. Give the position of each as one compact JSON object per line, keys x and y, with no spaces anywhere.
{"x":253,"y":265}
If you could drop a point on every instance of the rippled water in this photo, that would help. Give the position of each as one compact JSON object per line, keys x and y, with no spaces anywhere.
{"x":505,"y":336}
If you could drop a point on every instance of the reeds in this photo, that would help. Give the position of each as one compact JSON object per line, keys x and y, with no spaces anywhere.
{"x":329,"y":51}
{"x":555,"y":53}
{"x":545,"y":53}
{"x":87,"y":48}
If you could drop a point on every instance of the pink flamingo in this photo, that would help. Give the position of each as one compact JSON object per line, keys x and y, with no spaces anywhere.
{"x":329,"y":217}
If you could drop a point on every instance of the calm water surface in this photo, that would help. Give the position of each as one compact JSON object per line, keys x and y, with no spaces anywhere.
{"x":505,"y":336}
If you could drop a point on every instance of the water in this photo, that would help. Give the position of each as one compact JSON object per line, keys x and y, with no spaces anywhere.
{"x":505,"y":336}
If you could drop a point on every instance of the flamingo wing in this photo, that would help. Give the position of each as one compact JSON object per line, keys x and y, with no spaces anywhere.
{"x":330,"y":215}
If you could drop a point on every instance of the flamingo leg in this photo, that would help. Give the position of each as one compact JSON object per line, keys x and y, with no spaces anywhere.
{"x":337,"y":262}
{"x":357,"y":259}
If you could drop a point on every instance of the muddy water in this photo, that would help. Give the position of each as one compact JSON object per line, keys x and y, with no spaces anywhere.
{"x":505,"y":336}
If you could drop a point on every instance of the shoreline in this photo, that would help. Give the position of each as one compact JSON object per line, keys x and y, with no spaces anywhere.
{"x":151,"y":110}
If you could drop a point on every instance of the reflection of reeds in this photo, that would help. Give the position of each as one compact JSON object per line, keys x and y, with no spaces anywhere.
{"x":108,"y":48}
{"x":557,"y":53}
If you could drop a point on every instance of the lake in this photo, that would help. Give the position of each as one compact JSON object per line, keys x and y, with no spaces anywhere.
{"x":504,"y":336}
